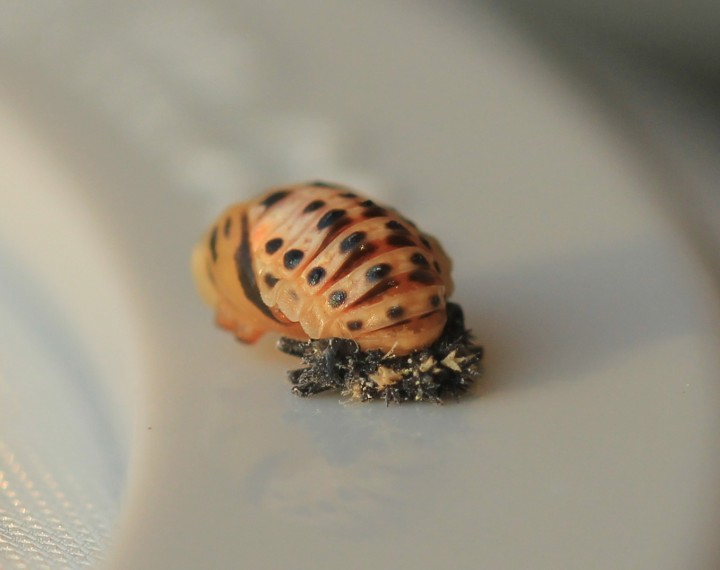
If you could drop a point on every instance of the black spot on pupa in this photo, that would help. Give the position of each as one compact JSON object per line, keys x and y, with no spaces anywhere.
{"x":396,"y":226}
{"x":426,"y":243}
{"x":337,"y":298}
{"x":228,"y":227}
{"x":367,"y":204}
{"x":419,"y":259}
{"x":273,"y":245}
{"x":395,"y":312}
{"x":400,"y":241}
{"x":436,"y":265}
{"x":348,"y":195}
{"x":213,"y":243}
{"x":270,"y":280}
{"x":322,"y":184}
{"x":315,"y":275}
{"x":293,"y":258}
{"x":330,"y":218}
{"x":422,"y":276}
{"x":352,"y":241}
{"x":354,"y":325}
{"x":312,"y":206}
{"x":374,"y":212}
{"x":274,"y":198}
{"x":435,"y":301}
{"x":377,"y":272}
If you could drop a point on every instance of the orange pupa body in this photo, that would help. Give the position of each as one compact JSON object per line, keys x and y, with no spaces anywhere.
{"x":316,"y":260}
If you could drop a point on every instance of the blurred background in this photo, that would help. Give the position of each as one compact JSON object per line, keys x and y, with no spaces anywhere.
{"x":655,"y":65}
{"x":109,"y":108}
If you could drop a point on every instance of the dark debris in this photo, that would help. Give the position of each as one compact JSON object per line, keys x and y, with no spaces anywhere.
{"x":447,"y":368}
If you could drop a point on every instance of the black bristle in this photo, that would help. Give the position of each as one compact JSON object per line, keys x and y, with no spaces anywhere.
{"x":339,"y":364}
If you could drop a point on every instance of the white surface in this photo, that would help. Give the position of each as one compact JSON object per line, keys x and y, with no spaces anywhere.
{"x":69,"y":358}
{"x":593,"y":442}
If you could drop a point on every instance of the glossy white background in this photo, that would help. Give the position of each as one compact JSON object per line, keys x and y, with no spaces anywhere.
{"x":592,"y":442}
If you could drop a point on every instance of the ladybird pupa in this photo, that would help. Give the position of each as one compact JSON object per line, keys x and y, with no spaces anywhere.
{"x":318,"y":262}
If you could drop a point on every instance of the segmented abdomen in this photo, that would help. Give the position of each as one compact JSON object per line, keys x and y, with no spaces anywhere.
{"x":342,"y":266}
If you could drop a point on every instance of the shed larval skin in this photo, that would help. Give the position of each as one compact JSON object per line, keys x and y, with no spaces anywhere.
{"x":317,"y":260}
